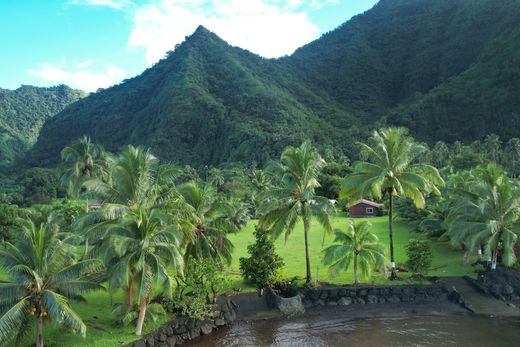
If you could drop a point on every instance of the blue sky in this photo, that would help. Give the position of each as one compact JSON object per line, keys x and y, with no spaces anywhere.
{"x":89,"y":44}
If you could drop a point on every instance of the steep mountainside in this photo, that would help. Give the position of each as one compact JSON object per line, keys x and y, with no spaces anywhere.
{"x":22,"y":113}
{"x":447,"y":69}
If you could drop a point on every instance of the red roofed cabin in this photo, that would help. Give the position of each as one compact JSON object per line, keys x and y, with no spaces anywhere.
{"x":365,"y":208}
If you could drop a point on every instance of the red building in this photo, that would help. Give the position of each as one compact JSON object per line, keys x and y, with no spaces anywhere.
{"x":365,"y":208}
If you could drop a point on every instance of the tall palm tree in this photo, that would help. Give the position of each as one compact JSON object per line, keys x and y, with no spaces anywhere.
{"x":210,"y":222}
{"x":133,"y":184}
{"x":42,"y":277}
{"x":489,"y":215}
{"x":357,"y":245}
{"x":296,"y":199}
{"x":390,"y":168}
{"x":139,"y":251}
{"x":82,"y":160}
{"x":133,"y":179}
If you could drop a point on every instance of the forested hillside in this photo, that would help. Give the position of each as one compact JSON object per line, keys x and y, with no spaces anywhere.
{"x":447,"y":69}
{"x":22,"y":113}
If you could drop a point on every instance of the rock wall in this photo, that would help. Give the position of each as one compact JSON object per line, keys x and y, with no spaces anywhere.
{"x":503,"y":283}
{"x":333,"y":296}
{"x":183,"y":329}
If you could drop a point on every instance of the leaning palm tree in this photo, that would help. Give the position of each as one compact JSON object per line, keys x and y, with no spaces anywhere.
{"x":357,"y":245}
{"x":390,"y":168}
{"x":139,"y":251}
{"x":296,"y":199}
{"x":82,"y":160}
{"x":42,"y":277}
{"x":209,"y":223}
{"x":489,"y":215}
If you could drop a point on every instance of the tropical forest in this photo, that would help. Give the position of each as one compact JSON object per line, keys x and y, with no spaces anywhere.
{"x":360,"y":188}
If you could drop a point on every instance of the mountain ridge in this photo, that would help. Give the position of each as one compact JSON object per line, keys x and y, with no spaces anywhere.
{"x":208,"y":103}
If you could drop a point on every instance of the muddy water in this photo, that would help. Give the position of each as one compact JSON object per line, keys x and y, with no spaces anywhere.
{"x":466,"y":330}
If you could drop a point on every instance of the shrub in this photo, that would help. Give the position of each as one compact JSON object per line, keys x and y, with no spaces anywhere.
{"x":197,"y":289}
{"x":419,"y":254}
{"x":263,"y":266}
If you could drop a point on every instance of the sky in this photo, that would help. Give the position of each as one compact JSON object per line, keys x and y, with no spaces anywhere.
{"x":91,"y":44}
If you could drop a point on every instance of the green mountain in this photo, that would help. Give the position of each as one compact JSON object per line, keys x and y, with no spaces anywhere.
{"x":23,"y":112}
{"x":447,"y":69}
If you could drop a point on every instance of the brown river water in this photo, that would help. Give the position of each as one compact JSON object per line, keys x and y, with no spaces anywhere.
{"x":416,"y":331}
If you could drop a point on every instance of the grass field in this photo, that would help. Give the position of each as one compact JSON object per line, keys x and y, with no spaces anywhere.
{"x":446,"y":260}
{"x":102,"y":331}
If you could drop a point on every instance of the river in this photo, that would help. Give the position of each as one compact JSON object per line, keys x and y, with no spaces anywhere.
{"x":416,"y":331}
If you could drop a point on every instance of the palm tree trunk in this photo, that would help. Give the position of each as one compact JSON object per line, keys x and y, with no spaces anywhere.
{"x":307,"y":259}
{"x":130,"y":290}
{"x":494,"y":260}
{"x":142,"y":314}
{"x":390,"y":234}
{"x":85,"y":251}
{"x":356,"y":278}
{"x":39,"y":332}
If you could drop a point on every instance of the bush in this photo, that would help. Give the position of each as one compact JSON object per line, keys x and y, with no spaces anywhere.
{"x":263,"y":267}
{"x":420,"y":256}
{"x":197,"y":289}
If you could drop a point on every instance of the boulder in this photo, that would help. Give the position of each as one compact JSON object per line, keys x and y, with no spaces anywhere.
{"x":345,"y":301}
{"x":171,"y":341}
{"x":206,"y":328}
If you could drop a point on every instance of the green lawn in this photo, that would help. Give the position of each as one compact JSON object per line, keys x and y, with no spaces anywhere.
{"x":446,"y":261}
{"x":102,"y":331}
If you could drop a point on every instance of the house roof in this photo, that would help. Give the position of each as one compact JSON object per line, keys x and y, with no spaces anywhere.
{"x":368,"y":202}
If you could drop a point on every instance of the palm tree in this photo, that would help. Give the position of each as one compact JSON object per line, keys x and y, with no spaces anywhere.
{"x":210,"y":221}
{"x":489,"y":215}
{"x":139,"y":251}
{"x":132,"y":184}
{"x":296,"y":199}
{"x":358,"y":245}
{"x":42,"y":277}
{"x":133,"y":179}
{"x":82,"y":160}
{"x":390,"y":169}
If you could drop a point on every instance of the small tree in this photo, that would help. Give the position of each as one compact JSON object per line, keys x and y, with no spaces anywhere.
{"x":420,"y":256}
{"x":263,"y":267}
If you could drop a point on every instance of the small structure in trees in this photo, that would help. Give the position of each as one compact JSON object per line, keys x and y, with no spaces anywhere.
{"x":365,"y":208}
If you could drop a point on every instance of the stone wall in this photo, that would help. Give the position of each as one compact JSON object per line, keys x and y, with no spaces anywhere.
{"x":334,"y":296}
{"x":503,"y":283}
{"x":183,"y":329}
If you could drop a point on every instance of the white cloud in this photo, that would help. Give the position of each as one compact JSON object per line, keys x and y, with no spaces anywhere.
{"x":116,"y":4}
{"x":271,"y":28}
{"x":80,"y":77}
{"x":85,"y":63}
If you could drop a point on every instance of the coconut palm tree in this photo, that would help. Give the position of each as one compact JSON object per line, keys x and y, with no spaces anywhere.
{"x":210,"y":222}
{"x":82,"y":160}
{"x":488,"y":215}
{"x":390,"y":168}
{"x":42,"y":277}
{"x":133,"y":184}
{"x":133,"y":179}
{"x":296,"y":199}
{"x":139,"y":251}
{"x":357,"y":245}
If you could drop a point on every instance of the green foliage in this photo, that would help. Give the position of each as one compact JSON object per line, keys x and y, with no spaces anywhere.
{"x":420,"y":256}
{"x":357,"y":245}
{"x":42,"y":276}
{"x":295,"y":197}
{"x":263,"y":266}
{"x":197,"y":289}
{"x":23,"y":112}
